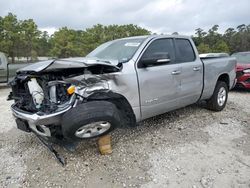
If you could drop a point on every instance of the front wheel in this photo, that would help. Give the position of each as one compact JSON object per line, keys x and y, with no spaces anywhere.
{"x":219,"y":98}
{"x":90,"y":120}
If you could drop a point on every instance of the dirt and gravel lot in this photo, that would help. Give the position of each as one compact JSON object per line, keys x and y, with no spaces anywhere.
{"x":190,"y":147}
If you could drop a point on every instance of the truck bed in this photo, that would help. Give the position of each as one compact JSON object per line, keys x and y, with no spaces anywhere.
{"x":217,"y":66}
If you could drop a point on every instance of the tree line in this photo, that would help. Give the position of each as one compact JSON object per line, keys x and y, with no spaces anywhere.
{"x":232,"y":40}
{"x":22,"y":38}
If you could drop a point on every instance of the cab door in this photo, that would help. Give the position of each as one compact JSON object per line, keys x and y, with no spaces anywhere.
{"x":192,"y":72}
{"x":159,"y":83}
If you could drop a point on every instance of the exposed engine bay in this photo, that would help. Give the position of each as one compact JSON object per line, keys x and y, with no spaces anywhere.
{"x":47,"y":91}
{"x":34,"y":93}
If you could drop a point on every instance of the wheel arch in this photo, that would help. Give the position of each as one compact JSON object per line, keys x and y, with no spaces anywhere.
{"x":224,"y":78}
{"x":122,"y":104}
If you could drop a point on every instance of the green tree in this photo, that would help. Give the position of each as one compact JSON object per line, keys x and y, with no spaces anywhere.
{"x":66,"y":43}
{"x":241,"y":28}
{"x":228,"y":37}
{"x":220,"y":46}
{"x":212,"y":37}
{"x":233,"y":40}
{"x":10,"y":35}
{"x":99,"y":34}
{"x":29,"y":38}
{"x":21,"y":38}
{"x":200,"y":34}
{"x":43,"y":44}
{"x":203,"y":48}
{"x":18,"y":38}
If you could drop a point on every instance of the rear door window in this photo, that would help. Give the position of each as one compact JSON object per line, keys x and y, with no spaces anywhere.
{"x":184,"y":51}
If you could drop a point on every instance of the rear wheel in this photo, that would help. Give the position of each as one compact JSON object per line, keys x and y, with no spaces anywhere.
{"x":219,"y":98}
{"x":90,"y":120}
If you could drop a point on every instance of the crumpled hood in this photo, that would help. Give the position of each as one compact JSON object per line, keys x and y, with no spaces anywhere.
{"x":77,"y":62}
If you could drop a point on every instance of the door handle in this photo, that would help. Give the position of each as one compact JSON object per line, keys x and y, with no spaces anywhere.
{"x":176,"y":72}
{"x":196,"y":68}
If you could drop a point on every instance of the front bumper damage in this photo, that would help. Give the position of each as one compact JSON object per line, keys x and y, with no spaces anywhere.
{"x":39,"y":123}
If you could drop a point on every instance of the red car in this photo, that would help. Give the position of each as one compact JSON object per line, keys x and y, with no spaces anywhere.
{"x":243,"y":69}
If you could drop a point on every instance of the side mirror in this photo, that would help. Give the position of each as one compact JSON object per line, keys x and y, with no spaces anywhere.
{"x":154,"y":59}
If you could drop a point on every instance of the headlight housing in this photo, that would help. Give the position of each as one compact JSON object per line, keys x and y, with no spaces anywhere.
{"x":246,"y":71}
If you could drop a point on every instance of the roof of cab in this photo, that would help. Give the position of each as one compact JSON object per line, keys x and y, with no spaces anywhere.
{"x":156,"y":36}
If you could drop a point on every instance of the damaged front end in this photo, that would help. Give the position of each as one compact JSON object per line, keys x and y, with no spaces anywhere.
{"x":44,"y":91}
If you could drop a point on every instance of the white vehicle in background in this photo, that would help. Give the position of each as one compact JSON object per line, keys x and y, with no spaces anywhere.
{"x":8,"y":70}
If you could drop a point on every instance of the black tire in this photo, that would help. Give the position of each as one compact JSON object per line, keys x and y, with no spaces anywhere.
{"x":87,"y":113}
{"x":212,"y":103}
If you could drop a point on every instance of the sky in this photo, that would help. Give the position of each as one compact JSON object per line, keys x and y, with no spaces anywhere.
{"x":159,"y":16}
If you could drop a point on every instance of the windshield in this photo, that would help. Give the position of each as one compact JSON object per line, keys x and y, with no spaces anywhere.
{"x":243,"y":58}
{"x":121,"y":50}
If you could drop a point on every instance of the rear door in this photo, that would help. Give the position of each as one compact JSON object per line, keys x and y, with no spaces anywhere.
{"x":192,"y":72}
{"x":159,"y":84}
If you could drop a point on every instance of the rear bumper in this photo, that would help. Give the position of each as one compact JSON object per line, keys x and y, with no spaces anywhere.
{"x":39,"y":123}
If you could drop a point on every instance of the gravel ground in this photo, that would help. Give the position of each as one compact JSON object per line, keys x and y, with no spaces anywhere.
{"x":190,"y":147}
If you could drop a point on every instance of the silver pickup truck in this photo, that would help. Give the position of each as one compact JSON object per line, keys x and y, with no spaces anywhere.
{"x":120,"y":83}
